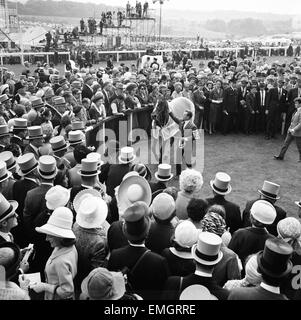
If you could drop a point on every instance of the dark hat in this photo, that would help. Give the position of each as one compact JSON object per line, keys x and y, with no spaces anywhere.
{"x":137,"y":222}
{"x":274,"y":260}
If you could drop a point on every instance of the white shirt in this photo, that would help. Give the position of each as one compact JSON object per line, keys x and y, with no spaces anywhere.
{"x":137,"y":245}
{"x":270,"y":288}
{"x":7,"y":236}
{"x":203,"y":274}
{"x":47,"y":184}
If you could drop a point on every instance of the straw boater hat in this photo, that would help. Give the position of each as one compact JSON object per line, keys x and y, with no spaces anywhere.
{"x":59,"y":101}
{"x":4,"y":130}
{"x":127,"y":155}
{"x":47,"y":167}
{"x":27,"y":163}
{"x":263,"y":211}
{"x":58,"y":143}
{"x":56,"y":197}
{"x":35,"y":132}
{"x":274,"y":260}
{"x":7,"y":208}
{"x":102,"y":284}
{"x":196,"y":292}
{"x":207,"y":250}
{"x":164,"y":172}
{"x":75,"y":137}
{"x":9,"y":159}
{"x":37,"y":103}
{"x":221,"y":183}
{"x":270,"y":190}
{"x":132,"y":189}
{"x":59,"y":224}
{"x":4,"y":173}
{"x":89,"y":168}
{"x":20,"y":124}
{"x":78,"y":125}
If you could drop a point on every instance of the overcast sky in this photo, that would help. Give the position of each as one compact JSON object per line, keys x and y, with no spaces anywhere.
{"x":273,"y":6}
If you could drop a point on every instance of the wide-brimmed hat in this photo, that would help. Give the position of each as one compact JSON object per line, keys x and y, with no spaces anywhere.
{"x":56,"y":197}
{"x":132,"y":189}
{"x":164,"y":172}
{"x":83,"y":194}
{"x":9,"y":159}
{"x":163,"y":206}
{"x":102,"y":284}
{"x":89,"y":168}
{"x":92,"y":212}
{"x":58,"y":143}
{"x":221,"y":183}
{"x":137,"y":222}
{"x":3,"y":98}
{"x":7,"y":208}
{"x":59,"y":224}
{"x":4,"y":130}
{"x":95,"y":156}
{"x":274,"y":260}
{"x":75,"y":137}
{"x":127,"y":155}
{"x":270,"y":190}
{"x":196,"y":292}
{"x":47,"y":167}
{"x":20,"y":124}
{"x":77,"y":125}
{"x":35,"y":132}
{"x":207,"y":250}
{"x":37,"y":103}
{"x":263,"y":211}
{"x":4,"y":173}
{"x":27,"y":163}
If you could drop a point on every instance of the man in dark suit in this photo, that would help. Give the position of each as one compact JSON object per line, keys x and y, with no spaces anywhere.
{"x":292,"y":95}
{"x":261,"y":105}
{"x":36,"y":140}
{"x":274,"y":265}
{"x":276,"y":108}
{"x":242,"y":92}
{"x":206,"y":254}
{"x":87,"y":91}
{"x":251,"y":240}
{"x":19,"y":133}
{"x":230,"y":107}
{"x":221,"y":187}
{"x":146,"y":270}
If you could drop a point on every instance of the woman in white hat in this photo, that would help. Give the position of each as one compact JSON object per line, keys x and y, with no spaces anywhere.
{"x":61,"y":266}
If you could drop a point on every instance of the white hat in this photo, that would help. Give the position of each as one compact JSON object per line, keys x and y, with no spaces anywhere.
{"x":47,"y":167}
{"x":59,"y":224}
{"x":196,"y":292}
{"x":270,"y":190}
{"x":221,"y":183}
{"x":92,"y":213}
{"x":164,"y":172}
{"x":126,"y":155}
{"x":95,"y":156}
{"x":263,"y":211}
{"x":80,"y":196}
{"x":207,"y":250}
{"x":163,"y":206}
{"x":57,"y":196}
{"x":186,"y":234}
{"x":89,"y":168}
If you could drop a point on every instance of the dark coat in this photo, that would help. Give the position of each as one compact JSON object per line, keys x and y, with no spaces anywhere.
{"x":248,"y":241}
{"x":172,"y":289}
{"x":159,"y":185}
{"x":29,"y":149}
{"x":150,"y":274}
{"x":87,"y":92}
{"x":18,"y":141}
{"x":115,"y":174}
{"x":233,"y":216}
{"x":272,"y":229}
{"x":276,"y":104}
{"x":254,"y":293}
{"x":116,"y":238}
{"x":230,"y":100}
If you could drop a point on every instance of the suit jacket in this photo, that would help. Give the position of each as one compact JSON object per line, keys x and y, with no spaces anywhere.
{"x":260,"y":108}
{"x":233,"y":216}
{"x":292,"y":94}
{"x":149,"y":275}
{"x":250,"y":102}
{"x":159,"y":185}
{"x":242,"y":95}
{"x":230,"y":100}
{"x":248,"y":241}
{"x":254,"y":293}
{"x":116,"y":237}
{"x":115,"y":174}
{"x":274,"y":103}
{"x":8,"y":192}
{"x":296,"y":123}
{"x":17,"y":140}
{"x":73,"y":176}
{"x":272,"y":229}
{"x":87,"y":92}
{"x":173,"y":289}
{"x":29,"y":149}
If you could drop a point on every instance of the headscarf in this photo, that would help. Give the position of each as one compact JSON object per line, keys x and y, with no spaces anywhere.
{"x":213,"y":222}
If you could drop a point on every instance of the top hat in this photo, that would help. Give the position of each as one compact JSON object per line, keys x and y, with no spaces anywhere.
{"x":4,"y":173}
{"x":207,"y":250}
{"x":7,"y":208}
{"x":47,"y":167}
{"x":58,"y":143}
{"x":75,"y":137}
{"x":89,"y":168}
{"x":126,"y":155}
{"x":221,"y":183}
{"x":27,"y":163}
{"x":35,"y":132}
{"x":59,"y":224}
{"x":274,"y":260}
{"x":78,"y":125}
{"x":3,"y":98}
{"x":59,"y":101}
{"x":4,"y":131}
{"x":95,"y":156}
{"x":270,"y":190}
{"x":9,"y":159}
{"x":20,"y":123}
{"x":137,"y":221}
{"x":164,"y":172}
{"x":37,"y":103}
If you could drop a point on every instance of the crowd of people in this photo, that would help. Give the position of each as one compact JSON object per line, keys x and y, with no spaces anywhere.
{"x":100,"y":222}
